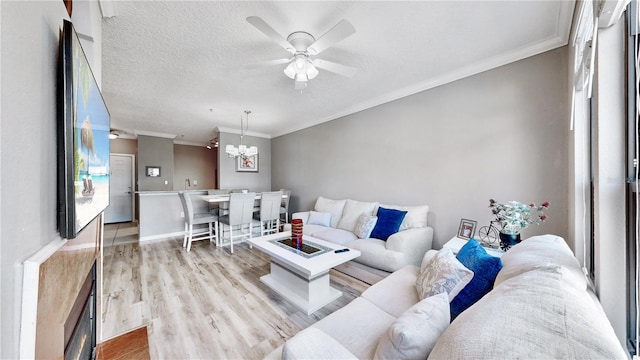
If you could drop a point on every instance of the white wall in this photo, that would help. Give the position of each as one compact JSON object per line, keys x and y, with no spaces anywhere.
{"x":500,"y":134}
{"x":30,"y":38}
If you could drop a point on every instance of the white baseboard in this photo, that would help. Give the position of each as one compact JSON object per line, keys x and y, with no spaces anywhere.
{"x":162,"y":236}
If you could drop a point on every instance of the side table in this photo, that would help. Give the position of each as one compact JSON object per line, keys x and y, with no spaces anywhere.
{"x":456,"y":243}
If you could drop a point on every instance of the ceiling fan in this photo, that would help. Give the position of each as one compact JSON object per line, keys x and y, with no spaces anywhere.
{"x":303,"y":46}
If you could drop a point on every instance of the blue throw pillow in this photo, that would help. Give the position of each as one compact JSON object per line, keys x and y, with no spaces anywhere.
{"x":485,"y":269}
{"x":389,"y":221}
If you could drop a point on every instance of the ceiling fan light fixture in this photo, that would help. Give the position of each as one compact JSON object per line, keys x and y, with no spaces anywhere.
{"x":312,"y":72}
{"x":290,"y":71}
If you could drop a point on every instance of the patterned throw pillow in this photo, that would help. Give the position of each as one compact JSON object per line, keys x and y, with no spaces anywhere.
{"x":444,"y":273}
{"x":364,"y":226}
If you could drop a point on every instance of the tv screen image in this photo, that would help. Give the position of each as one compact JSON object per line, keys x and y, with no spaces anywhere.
{"x":83,"y":140}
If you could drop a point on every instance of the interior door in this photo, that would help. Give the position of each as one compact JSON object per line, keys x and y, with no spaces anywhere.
{"x":120,"y":207}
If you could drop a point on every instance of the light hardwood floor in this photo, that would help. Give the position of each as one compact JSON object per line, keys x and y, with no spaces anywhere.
{"x":205,"y":304}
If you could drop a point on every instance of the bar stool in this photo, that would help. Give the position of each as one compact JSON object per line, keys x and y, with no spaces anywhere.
{"x":269,"y":215}
{"x":240,"y":216}
{"x":191,"y":219}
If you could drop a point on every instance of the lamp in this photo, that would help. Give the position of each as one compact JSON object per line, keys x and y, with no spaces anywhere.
{"x":113,"y":135}
{"x":242,"y":149}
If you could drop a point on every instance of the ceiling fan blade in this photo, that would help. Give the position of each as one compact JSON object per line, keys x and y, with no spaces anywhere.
{"x":268,"y":63}
{"x":339,"y":69}
{"x":266,"y":29}
{"x":339,"y":32}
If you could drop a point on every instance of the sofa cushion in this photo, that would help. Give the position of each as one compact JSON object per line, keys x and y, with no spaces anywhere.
{"x":416,"y":215}
{"x":389,"y":221}
{"x":415,"y":332}
{"x":313,"y":343}
{"x":336,"y":236}
{"x":374,"y":253}
{"x":311,"y":230}
{"x":352,"y":211}
{"x":365,"y":225}
{"x":319,"y":218}
{"x":485,"y":269}
{"x":444,"y":273}
{"x":396,"y":293}
{"x":535,"y":315}
{"x":357,"y":327}
{"x":541,"y":252}
{"x":335,"y":207}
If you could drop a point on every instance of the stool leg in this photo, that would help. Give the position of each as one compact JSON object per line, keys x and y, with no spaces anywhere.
{"x":190,"y":237}
{"x":231,"y":237}
{"x":184,"y":241}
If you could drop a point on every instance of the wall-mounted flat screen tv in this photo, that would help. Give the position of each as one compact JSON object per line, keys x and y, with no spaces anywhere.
{"x":83,"y":140}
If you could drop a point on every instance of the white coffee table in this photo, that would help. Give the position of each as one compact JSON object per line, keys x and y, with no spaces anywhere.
{"x":300,"y":279}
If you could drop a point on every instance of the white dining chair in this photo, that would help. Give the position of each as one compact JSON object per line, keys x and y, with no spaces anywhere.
{"x":284,"y":206}
{"x":190,"y":219}
{"x":218,"y":208}
{"x":240,"y":216}
{"x":269,"y":214}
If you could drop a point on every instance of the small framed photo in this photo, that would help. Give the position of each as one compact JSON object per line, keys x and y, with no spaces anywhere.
{"x":247,"y":163}
{"x":153,"y":171}
{"x":467,"y":229}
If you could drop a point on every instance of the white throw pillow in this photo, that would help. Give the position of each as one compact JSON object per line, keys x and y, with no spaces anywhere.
{"x":444,"y":273}
{"x":416,"y":331}
{"x":319,"y":218}
{"x":352,"y":211}
{"x":364,"y":226}
{"x":334,"y":207}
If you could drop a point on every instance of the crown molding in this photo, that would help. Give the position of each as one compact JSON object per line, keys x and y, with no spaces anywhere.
{"x":107,"y":8}
{"x":155,"y":134}
{"x":248,"y":133}
{"x":189,"y":143}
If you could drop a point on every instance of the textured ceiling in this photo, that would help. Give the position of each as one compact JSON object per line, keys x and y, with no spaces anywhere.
{"x":166,"y":64}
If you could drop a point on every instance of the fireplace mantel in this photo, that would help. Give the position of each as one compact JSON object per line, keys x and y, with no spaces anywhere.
{"x":52,"y":280}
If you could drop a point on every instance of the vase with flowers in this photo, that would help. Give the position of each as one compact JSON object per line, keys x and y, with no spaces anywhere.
{"x":513,"y":217}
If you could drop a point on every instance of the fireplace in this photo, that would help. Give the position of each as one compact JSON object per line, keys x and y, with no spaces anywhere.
{"x":80,"y":326}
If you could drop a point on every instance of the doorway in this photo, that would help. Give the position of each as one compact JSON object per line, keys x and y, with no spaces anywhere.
{"x":121,"y":204}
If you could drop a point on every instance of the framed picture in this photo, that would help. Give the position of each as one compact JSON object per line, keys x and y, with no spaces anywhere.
{"x":467,"y":229}
{"x":83,"y":140}
{"x":153,"y":171}
{"x":247,"y":163}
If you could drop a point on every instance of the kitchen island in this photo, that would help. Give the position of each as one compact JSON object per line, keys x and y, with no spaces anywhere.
{"x":161,"y":214}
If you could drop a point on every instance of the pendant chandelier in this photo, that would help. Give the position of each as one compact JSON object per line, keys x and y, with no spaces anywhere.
{"x":242,"y":150}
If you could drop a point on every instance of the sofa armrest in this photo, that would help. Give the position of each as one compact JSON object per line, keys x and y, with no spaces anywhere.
{"x":313,"y":343}
{"x":414,"y":243}
{"x":304,"y":215}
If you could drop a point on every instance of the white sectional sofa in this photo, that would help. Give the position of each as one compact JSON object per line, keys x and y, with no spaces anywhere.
{"x":405,"y":247}
{"x":539,"y":308}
